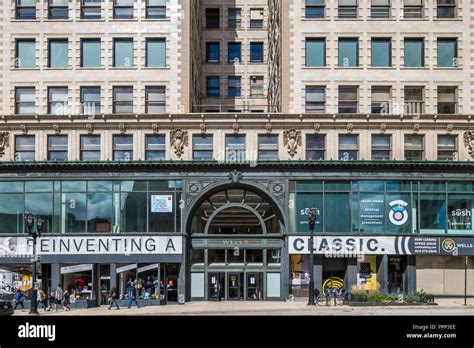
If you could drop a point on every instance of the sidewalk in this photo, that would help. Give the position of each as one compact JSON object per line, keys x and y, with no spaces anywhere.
{"x":445,"y":307}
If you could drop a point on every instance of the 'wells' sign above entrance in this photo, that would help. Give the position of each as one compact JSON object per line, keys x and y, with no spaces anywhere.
{"x":400,"y":245}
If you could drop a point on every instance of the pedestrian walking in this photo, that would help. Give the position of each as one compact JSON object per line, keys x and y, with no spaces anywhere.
{"x":132,"y":297}
{"x":66,"y":301}
{"x":113,"y":298}
{"x":52,"y":301}
{"x":19,"y":298}
{"x":58,"y":295}
{"x":41,"y":298}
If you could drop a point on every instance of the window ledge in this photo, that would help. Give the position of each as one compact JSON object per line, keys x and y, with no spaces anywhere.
{"x":25,"y":69}
{"x":447,"y":19}
{"x":53,"y":69}
{"x":156,"y":68}
{"x":156,"y":19}
{"x":59,"y":20}
{"x":118,"y":68}
{"x":414,"y":68}
{"x":304,"y":19}
{"x":15,"y":20}
{"x":381,"y":67}
{"x":89,"y":20}
{"x":89,"y":69}
{"x":349,"y":68}
{"x":381,"y":19}
{"x":455,"y":68}
{"x":123,"y":20}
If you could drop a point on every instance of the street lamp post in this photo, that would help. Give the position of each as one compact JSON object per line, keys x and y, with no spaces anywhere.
{"x":466,"y":261}
{"x":29,"y":222}
{"x":311,"y":223}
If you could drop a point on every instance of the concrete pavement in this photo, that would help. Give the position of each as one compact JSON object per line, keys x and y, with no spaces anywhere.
{"x":444,"y":307}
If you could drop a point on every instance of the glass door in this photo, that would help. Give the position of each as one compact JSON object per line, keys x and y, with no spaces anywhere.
{"x":396,"y":268}
{"x":216,"y":286}
{"x":235,"y":286}
{"x":254,"y":286}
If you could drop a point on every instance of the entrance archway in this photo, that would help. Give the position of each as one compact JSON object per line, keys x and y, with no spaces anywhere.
{"x":236,"y":238}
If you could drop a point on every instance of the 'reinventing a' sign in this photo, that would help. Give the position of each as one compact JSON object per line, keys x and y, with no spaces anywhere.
{"x":399,"y":245}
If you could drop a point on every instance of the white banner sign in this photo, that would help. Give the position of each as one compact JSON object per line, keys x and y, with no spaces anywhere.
{"x":126,"y":268}
{"x":16,"y":247}
{"x":76,"y":268}
{"x":147,"y":268}
{"x":162,"y":204}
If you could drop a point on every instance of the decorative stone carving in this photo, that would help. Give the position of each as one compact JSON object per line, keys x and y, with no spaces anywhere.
{"x":416,"y":127}
{"x":89,"y":128}
{"x":154,"y":127}
{"x":469,"y":142}
{"x":235,"y":176}
{"x":317,"y":127}
{"x":179,"y":140}
{"x":277,"y":188}
{"x":4,"y":142}
{"x":383,"y":127}
{"x":202,"y":127}
{"x":122,"y":128}
{"x":292,"y":139}
{"x":23,"y":129}
{"x":56,"y":128}
{"x":268,"y":127}
{"x":449,"y":128}
{"x":235,"y":128}
{"x":350,"y":127}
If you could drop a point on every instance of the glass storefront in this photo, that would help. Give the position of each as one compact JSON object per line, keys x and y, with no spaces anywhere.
{"x":92,"y":206}
{"x":379,"y":207}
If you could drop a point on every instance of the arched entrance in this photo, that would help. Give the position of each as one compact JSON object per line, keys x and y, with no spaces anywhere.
{"x":236,"y":245}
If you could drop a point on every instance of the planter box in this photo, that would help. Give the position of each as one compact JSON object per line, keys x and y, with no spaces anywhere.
{"x":391,"y":304}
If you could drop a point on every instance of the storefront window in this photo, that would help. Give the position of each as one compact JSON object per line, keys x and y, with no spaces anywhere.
{"x":337,"y":212}
{"x":74,"y":186}
{"x":215,"y":256}
{"x":11,"y":213}
{"x":235,"y":255}
{"x":460,"y":213}
{"x":39,"y":186}
{"x":253,"y":256}
{"x":400,"y":215}
{"x":161,"y":214}
{"x":133,"y":209}
{"x":99,"y":212}
{"x":432,"y":212}
{"x":304,"y":202}
{"x":371,"y":213}
{"x":74,"y":213}
{"x":40,"y":204}
{"x":197,"y":256}
{"x":273,"y":256}
{"x":299,"y":268}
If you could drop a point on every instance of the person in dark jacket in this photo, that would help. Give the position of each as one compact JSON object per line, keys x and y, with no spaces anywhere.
{"x":148,"y":287}
{"x":114,"y":295}
{"x":132,"y":297}
{"x":19,"y":298}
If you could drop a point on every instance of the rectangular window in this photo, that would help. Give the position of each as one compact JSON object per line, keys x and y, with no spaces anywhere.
{"x":90,"y":9}
{"x":414,"y":147}
{"x":155,"y":148}
{"x":380,"y":9}
{"x":234,"y":19}
{"x":348,"y":100}
{"x":58,"y":53}
{"x":26,"y":9}
{"x":58,"y":101}
{"x":315,"y":99}
{"x":380,"y":100}
{"x":57,"y":148}
{"x":234,"y":86}
{"x":235,"y":147}
{"x":123,"y":100}
{"x":268,"y":147}
{"x":123,"y":9}
{"x":123,"y":147}
{"x":90,"y":100}
{"x":256,"y":52}
{"x":446,"y":9}
{"x":447,"y":147}
{"x":381,"y":52}
{"x":348,"y":147}
{"x":90,"y":147}
{"x":381,"y":147}
{"x":447,"y":52}
{"x":413,"y":8}
{"x":155,"y":100}
{"x":347,"y":9}
{"x":315,"y":147}
{"x":25,"y":148}
{"x":90,"y":53}
{"x":25,"y":54}
{"x":315,"y":52}
{"x":58,"y":9}
{"x":202,"y":147}
{"x":414,"y":53}
{"x":25,"y":100}
{"x":156,"y":9}
{"x":348,"y":52}
{"x":123,"y":53}
{"x":256,"y":86}
{"x":414,"y":100}
{"x":314,"y":9}
{"x":213,"y":52}
{"x":212,"y":18}
{"x":213,"y":86}
{"x":447,"y":100}
{"x":234,"y":52}
{"x":256,"y":18}
{"x":156,"y":53}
